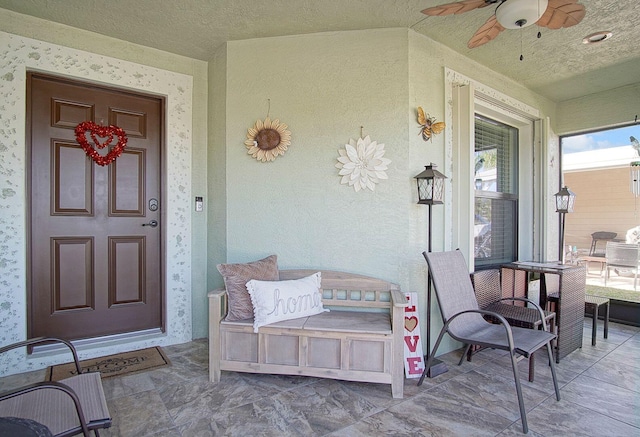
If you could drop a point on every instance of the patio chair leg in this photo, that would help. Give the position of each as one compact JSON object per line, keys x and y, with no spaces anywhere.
{"x":523,"y":413}
{"x":464,"y":354}
{"x":532,"y":367}
{"x":553,"y":371}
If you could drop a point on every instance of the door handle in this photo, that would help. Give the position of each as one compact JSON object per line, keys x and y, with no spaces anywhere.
{"x":152,"y":223}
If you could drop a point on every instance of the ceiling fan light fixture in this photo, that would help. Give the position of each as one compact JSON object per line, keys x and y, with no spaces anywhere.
{"x":516,"y":14}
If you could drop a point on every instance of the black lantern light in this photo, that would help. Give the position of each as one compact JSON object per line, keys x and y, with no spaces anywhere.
{"x":430,"y":187}
{"x":565,"y":198}
{"x":431,"y":192}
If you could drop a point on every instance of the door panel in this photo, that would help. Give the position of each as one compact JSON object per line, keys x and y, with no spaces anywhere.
{"x":72,"y":179}
{"x":72,"y":259}
{"x":127,"y":195}
{"x":95,"y":269}
{"x":126,"y":256}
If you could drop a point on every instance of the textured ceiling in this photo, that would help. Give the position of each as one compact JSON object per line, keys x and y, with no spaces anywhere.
{"x":557,"y":66}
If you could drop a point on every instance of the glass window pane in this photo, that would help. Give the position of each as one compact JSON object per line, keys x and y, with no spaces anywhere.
{"x":496,"y":200}
{"x":599,"y":167}
{"x":495,"y":156}
{"x":495,"y":235}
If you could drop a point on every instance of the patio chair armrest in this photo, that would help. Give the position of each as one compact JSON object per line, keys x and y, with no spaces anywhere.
{"x":50,"y":385}
{"x":537,"y":307}
{"x":38,"y":340}
{"x":499,"y":317}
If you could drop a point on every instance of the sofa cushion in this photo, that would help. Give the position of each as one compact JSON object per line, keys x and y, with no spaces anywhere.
{"x":275,"y":301}
{"x":235,"y":280}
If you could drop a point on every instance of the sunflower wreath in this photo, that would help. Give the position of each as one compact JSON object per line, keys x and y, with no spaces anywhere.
{"x":267,"y":140}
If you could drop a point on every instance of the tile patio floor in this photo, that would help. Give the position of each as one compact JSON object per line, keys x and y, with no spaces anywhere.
{"x":600,"y":390}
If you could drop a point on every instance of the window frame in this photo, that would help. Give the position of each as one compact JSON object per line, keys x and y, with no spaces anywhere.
{"x":467,"y":97}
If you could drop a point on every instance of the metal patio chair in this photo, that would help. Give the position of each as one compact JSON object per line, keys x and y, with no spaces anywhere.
{"x":622,"y":257}
{"x":488,"y":290}
{"x":71,"y":406}
{"x":463,"y":320}
{"x":600,"y":236}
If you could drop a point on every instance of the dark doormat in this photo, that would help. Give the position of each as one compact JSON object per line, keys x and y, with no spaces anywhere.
{"x":113,"y":365}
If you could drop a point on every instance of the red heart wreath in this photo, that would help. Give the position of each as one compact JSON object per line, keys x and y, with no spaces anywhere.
{"x":98,"y":132}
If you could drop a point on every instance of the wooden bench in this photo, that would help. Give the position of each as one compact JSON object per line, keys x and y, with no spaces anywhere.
{"x":360,"y":339}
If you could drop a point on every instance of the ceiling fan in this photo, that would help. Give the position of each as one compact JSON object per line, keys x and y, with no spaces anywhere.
{"x":515,"y":14}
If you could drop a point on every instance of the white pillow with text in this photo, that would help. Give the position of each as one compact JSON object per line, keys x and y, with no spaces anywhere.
{"x":275,"y":301}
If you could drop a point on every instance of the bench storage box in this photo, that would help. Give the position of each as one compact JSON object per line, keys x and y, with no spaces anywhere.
{"x":360,"y":339}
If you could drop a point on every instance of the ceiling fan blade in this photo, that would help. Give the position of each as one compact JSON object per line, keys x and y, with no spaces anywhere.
{"x":562,"y":13}
{"x":457,"y":7}
{"x":486,"y":33}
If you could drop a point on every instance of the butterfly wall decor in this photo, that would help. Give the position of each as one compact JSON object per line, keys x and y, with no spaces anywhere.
{"x":429,"y":125}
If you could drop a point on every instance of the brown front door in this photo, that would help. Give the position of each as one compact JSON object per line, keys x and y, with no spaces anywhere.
{"x":95,"y":268}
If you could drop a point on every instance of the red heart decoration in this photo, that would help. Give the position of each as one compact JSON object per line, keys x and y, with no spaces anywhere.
{"x":410,"y":323}
{"x":97,"y":132}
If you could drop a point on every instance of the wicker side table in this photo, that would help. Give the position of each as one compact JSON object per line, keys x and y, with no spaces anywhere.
{"x":569,"y":282}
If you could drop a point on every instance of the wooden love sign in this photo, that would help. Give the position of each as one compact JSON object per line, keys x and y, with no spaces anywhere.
{"x":102,"y":136}
{"x":413,"y":356}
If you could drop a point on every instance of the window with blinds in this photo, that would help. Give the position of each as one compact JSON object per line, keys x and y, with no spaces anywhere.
{"x":496,"y":193}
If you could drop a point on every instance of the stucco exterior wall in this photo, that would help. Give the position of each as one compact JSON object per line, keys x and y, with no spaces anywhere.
{"x":327,"y":88}
{"x":216,"y":231}
{"x":599,"y":110}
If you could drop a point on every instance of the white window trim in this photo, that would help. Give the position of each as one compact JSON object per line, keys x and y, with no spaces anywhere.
{"x":465,"y":97}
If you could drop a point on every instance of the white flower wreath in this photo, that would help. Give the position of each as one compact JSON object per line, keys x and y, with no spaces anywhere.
{"x":361,"y":164}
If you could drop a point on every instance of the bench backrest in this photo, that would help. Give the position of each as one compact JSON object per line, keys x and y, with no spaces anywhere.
{"x":340,"y":289}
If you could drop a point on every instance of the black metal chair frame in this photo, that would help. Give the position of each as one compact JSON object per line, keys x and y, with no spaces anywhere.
{"x":600,"y":236}
{"x":622,"y":256}
{"x":487,"y":288}
{"x":84,"y":427}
